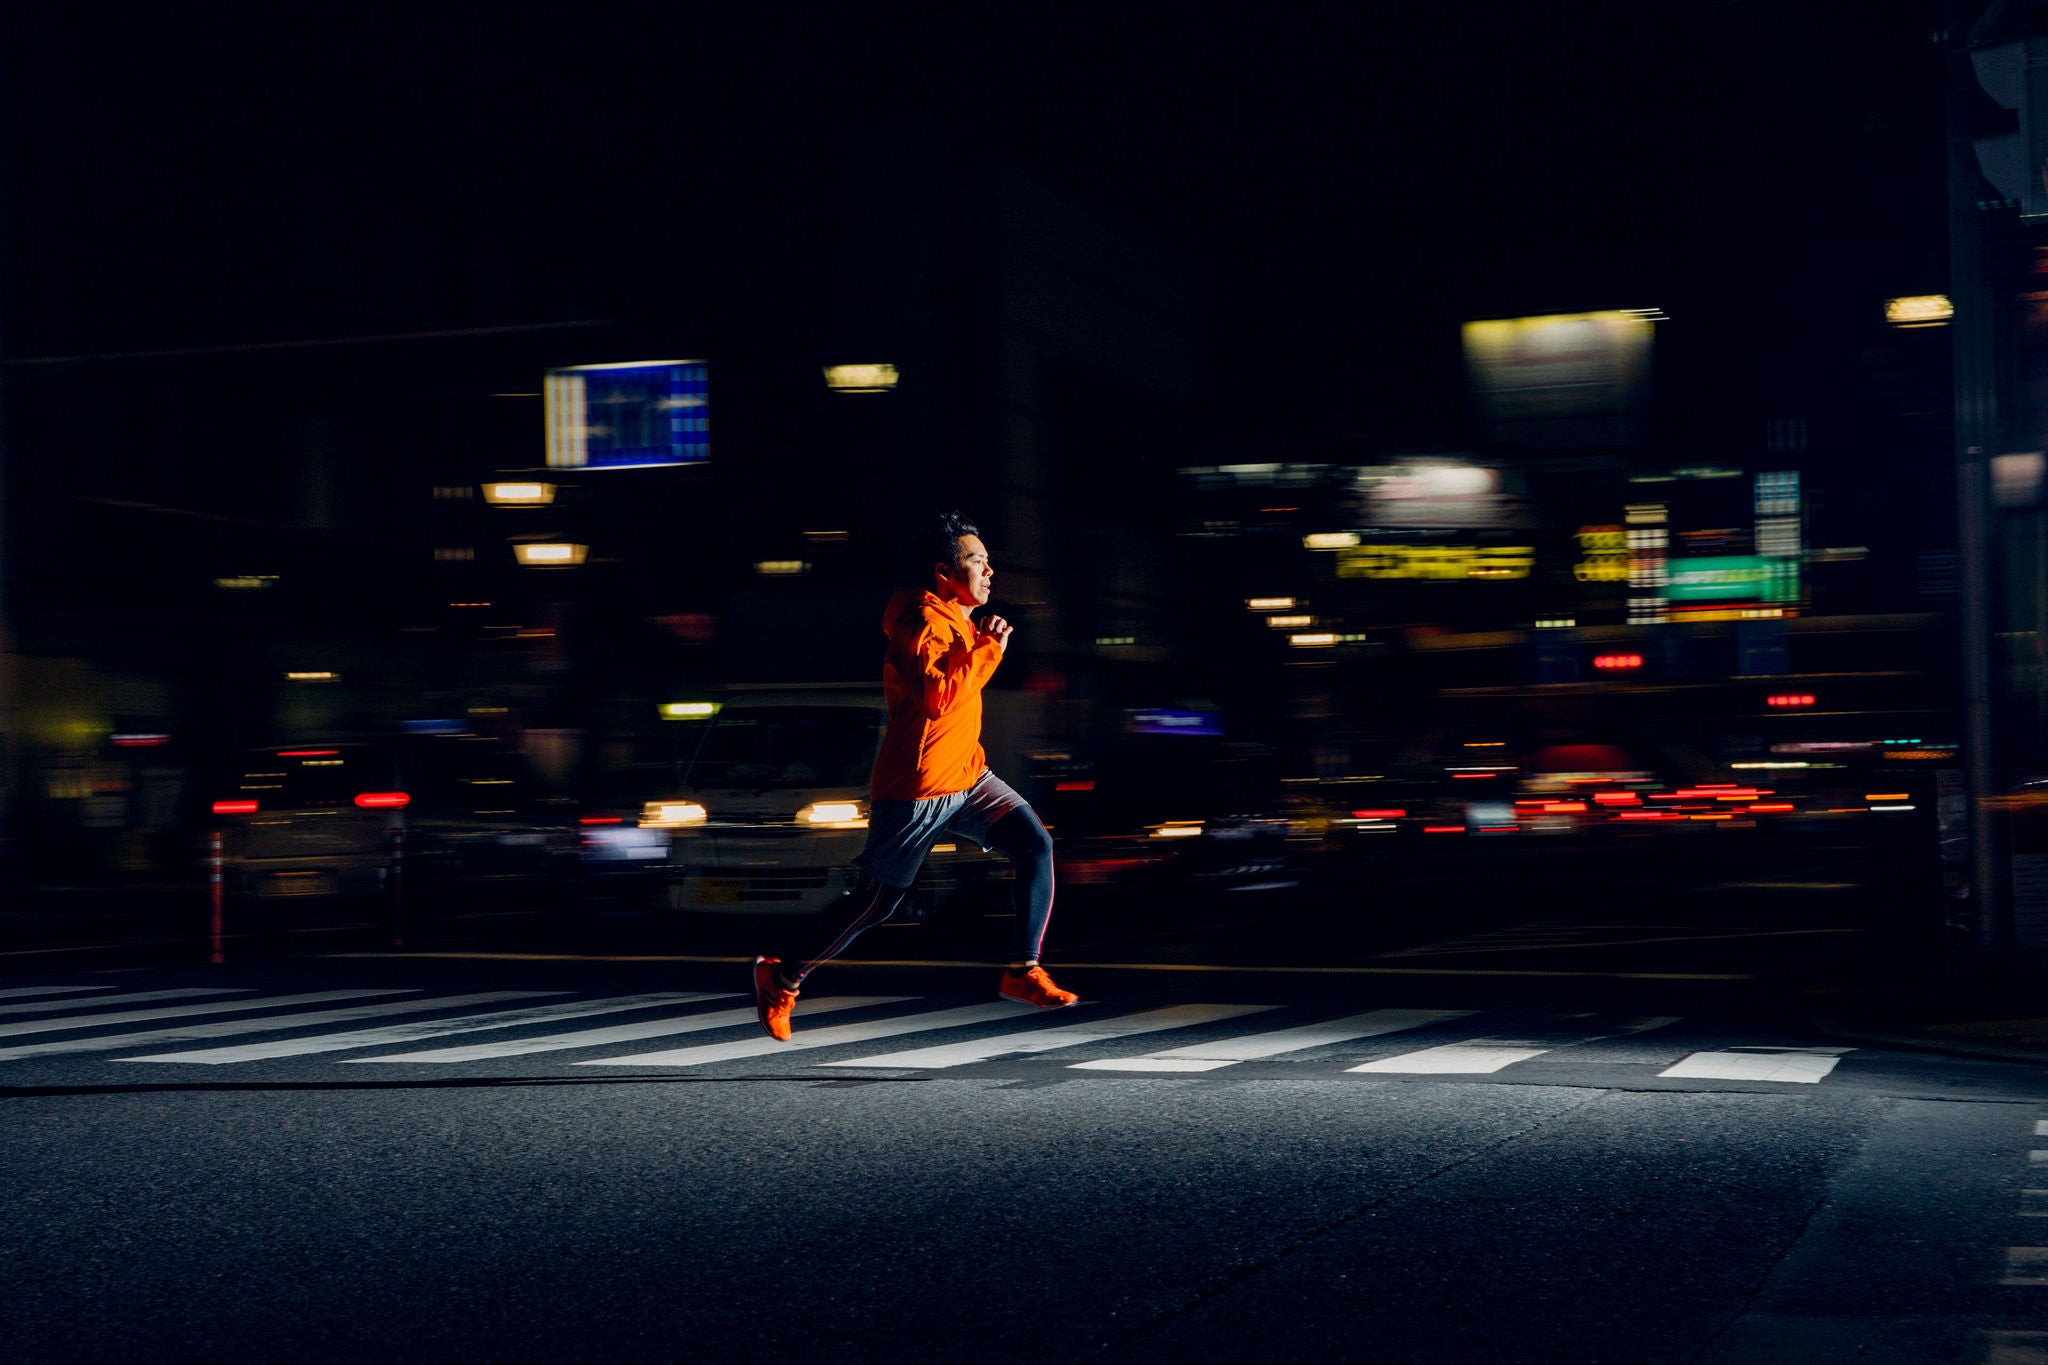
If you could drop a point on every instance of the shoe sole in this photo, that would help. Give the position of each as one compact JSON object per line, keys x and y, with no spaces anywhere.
{"x":1053,"y":1005}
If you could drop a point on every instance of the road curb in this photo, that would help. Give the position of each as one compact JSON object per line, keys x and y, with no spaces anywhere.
{"x":1842,"y":1030}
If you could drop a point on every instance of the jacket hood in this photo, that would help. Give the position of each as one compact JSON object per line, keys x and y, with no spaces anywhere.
{"x":904,"y":600}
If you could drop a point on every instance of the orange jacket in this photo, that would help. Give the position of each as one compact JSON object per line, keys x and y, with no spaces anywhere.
{"x":932,"y":677}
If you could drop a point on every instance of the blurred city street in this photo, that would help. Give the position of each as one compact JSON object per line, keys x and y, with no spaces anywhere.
{"x":596,"y":614}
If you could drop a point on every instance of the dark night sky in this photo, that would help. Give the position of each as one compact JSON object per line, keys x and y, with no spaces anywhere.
{"x":1353,"y":180}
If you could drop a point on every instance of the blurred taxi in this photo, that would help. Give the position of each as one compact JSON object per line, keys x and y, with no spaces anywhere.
{"x":1181,"y":813}
{"x":310,"y":820}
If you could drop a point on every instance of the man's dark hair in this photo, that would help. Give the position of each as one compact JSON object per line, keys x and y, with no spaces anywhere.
{"x":943,"y":542}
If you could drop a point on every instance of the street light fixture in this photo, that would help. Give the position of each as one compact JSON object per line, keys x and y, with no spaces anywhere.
{"x":529,"y":494}
{"x":550,"y":554}
{"x":860,"y":378}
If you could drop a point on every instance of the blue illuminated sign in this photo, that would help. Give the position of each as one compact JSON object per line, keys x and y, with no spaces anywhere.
{"x":629,"y":416}
{"x":1160,"y":721}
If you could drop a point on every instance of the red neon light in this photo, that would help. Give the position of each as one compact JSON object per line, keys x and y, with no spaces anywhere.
{"x":1378,"y":814}
{"x":1789,"y":699}
{"x":1617,"y":799}
{"x":1773,"y":805}
{"x":307,"y":753}
{"x":1564,"y":807}
{"x":1649,"y":815}
{"x":234,"y":808}
{"x":1614,"y":661}
{"x":602,"y":820}
{"x":382,"y":800}
{"x":1443,"y":829}
{"x":1085,"y":786}
{"x":1475,"y":774}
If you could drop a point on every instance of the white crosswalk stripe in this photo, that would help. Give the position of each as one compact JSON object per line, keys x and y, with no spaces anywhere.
{"x":1042,"y":1039}
{"x":835,"y":1036}
{"x":419,"y":1029}
{"x":273,"y":1023}
{"x":1447,"y":1059}
{"x":115,"y":1002}
{"x":622,"y":1033}
{"x":16,"y":992}
{"x":1800,"y":1065}
{"x":180,"y":1011}
{"x":1230,"y":1051}
{"x":1484,"y":1056}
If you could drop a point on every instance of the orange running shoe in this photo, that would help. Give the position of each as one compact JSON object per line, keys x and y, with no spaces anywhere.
{"x":772,"y":1000}
{"x":1033,"y":987}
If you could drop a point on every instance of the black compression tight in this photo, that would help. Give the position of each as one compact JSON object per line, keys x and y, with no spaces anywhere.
{"x":1018,"y":836}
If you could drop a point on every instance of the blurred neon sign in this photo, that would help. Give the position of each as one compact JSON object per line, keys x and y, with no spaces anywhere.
{"x":1732,"y":578}
{"x":630,"y":416}
{"x":1437,"y":562}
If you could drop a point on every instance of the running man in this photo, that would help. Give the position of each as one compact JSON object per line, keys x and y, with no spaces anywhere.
{"x":932,"y":777}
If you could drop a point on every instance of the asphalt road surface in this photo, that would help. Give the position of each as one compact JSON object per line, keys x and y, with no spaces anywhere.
{"x":1567,"y":1111}
{"x":414,"y":1157}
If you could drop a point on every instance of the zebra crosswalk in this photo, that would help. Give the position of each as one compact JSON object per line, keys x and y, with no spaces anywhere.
{"x":395,"y":1027}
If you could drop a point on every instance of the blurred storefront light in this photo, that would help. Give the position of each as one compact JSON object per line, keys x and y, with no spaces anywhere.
{"x":1313,"y":640}
{"x":1919,"y":310}
{"x":519,"y":494}
{"x":688,"y":710}
{"x":1270,"y":603}
{"x":780,"y":568}
{"x":1290,"y":622}
{"x":250,"y":582}
{"x":550,"y":554}
{"x":860,"y":378}
{"x":314,"y":675}
{"x":1330,"y":540}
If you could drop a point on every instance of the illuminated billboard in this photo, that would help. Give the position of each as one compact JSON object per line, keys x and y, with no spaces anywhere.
{"x":1729,"y":578}
{"x":1562,"y":380}
{"x":632,"y":416}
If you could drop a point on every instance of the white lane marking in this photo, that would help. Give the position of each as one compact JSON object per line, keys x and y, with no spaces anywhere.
{"x":13,"y":992}
{"x":271,"y":1023}
{"x":419,"y":1029}
{"x":621,"y":1033}
{"x":1230,"y":1051}
{"x":117,"y":1001}
{"x":2034,"y":1203}
{"x":2041,"y":1127}
{"x":1802,"y":1065}
{"x":1038,"y":1038}
{"x":822,"y":1037}
{"x":1473,"y":1058}
{"x":2026,"y":1265}
{"x":75,"y":1021}
{"x":2037,"y":1157}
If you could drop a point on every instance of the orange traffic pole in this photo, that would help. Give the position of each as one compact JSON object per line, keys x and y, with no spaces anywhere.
{"x":214,"y":863}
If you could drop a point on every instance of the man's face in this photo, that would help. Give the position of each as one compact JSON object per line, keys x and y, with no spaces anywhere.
{"x":968,"y":581}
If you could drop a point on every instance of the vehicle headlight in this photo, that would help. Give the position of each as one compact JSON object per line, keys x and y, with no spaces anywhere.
{"x":837,"y":814}
{"x":1178,"y":829}
{"x":669,"y":814}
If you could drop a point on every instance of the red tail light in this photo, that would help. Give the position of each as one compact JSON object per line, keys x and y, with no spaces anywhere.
{"x":602,"y":820}
{"x":1378,"y":814}
{"x":234,"y":808}
{"x":382,"y":800}
{"x":307,"y":753}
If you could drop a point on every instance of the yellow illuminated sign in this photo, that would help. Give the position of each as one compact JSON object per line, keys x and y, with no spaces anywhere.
{"x":1436,"y":562}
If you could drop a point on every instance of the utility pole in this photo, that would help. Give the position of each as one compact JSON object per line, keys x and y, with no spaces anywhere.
{"x":1994,"y":114}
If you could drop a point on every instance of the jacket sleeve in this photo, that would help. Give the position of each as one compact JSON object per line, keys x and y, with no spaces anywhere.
{"x":951,"y":671}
